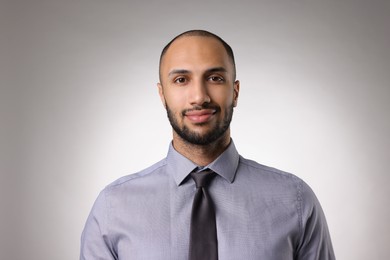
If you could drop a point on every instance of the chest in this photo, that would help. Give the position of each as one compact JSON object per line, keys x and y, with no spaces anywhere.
{"x":249,"y":225}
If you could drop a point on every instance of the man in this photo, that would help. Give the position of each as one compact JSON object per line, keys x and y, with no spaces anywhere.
{"x":256,"y":212}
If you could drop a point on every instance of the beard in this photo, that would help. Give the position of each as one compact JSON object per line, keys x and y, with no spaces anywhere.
{"x":201,"y":139}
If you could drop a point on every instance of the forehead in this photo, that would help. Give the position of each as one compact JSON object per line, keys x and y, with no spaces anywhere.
{"x":195,"y":52}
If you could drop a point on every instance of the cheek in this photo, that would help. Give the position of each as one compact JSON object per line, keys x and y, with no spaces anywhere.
{"x":223,"y":98}
{"x":175,"y":101}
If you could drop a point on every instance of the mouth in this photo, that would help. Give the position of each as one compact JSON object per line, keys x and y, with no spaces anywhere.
{"x":200,"y":116}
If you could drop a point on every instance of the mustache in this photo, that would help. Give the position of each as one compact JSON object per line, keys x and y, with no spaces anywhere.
{"x":197,"y":107}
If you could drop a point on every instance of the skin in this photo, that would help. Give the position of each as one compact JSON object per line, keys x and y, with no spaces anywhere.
{"x":198,"y":88}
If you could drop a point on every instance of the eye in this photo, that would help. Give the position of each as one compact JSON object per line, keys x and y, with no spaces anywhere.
{"x":216,"y":79}
{"x":180,"y":80}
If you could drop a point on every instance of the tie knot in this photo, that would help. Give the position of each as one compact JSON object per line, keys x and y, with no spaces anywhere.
{"x":203,"y":178}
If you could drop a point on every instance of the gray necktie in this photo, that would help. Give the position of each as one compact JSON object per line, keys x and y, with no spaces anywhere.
{"x":203,"y":233}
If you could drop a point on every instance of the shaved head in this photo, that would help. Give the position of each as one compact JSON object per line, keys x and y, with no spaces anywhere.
{"x":200,"y":33}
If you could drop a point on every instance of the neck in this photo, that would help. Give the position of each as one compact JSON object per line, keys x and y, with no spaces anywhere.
{"x":201,"y":155}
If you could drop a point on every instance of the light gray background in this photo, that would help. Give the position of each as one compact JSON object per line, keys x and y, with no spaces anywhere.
{"x":79,"y":108}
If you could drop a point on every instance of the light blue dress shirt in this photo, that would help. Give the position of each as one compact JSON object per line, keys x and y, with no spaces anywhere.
{"x":261,"y":213}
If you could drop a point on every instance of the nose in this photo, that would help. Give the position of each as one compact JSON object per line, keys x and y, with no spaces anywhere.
{"x":198,"y":94}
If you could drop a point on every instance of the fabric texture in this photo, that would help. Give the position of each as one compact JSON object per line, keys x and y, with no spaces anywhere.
{"x":261,"y":213}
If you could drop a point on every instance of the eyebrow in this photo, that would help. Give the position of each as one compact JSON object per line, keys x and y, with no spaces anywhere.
{"x":178,"y":71}
{"x":183,"y":71}
{"x":217,"y":69}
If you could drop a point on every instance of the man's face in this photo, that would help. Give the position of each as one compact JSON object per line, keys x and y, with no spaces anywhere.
{"x":197,"y":88}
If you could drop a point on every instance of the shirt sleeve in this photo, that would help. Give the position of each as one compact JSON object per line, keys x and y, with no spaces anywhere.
{"x":315,"y":242}
{"x":95,"y":241}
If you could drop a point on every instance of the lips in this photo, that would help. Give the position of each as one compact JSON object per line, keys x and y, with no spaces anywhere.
{"x":200,"y":116}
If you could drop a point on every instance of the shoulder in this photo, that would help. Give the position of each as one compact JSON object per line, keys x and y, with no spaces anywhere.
{"x":266,"y":173}
{"x":136,"y":183}
{"x":133,"y":187}
{"x":146,"y":173}
{"x":274,"y":181}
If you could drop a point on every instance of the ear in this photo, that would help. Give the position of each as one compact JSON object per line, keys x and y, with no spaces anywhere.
{"x":236,"y":90}
{"x":161,"y":93}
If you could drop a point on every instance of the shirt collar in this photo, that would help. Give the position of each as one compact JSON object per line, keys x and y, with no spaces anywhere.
{"x":225,"y":165}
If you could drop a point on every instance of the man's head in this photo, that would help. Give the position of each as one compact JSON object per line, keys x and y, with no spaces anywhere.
{"x":198,"y":87}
